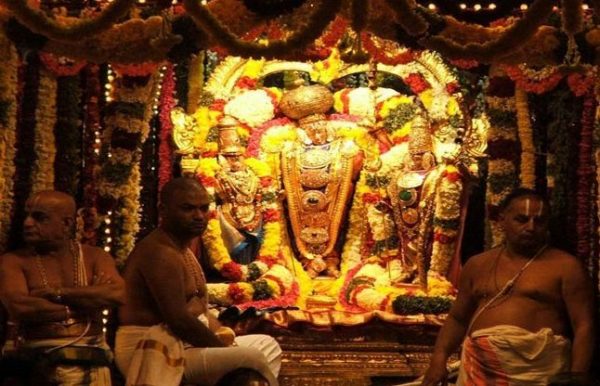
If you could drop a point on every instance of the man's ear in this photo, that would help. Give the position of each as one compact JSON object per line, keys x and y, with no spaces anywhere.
{"x":70,"y":226}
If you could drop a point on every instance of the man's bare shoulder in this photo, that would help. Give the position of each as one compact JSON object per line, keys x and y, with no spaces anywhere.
{"x":15,"y":257}
{"x":95,"y":253}
{"x":476,"y":262}
{"x":565,"y":263}
{"x":154,"y":252}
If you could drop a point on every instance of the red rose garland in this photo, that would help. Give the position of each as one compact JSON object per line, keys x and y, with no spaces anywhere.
{"x":61,"y":66}
{"x":585,"y":171}
{"x":165,"y":150}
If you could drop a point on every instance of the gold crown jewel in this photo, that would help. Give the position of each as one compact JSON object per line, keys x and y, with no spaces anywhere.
{"x":420,"y":136}
{"x":229,"y":140}
{"x":305,"y":101}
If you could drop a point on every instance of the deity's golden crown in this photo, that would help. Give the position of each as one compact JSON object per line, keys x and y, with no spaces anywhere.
{"x":229,"y":141}
{"x":306,"y":100}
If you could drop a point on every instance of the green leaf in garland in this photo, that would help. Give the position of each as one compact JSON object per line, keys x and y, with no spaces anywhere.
{"x":262,"y":291}
{"x":411,"y":305}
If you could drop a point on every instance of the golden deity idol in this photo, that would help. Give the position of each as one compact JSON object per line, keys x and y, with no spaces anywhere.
{"x":237,"y":189}
{"x":317,"y":172}
{"x":405,"y":191}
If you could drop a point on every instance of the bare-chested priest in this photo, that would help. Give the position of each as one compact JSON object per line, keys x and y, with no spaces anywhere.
{"x":166,"y":311}
{"x":524,"y":309}
{"x":55,"y":289}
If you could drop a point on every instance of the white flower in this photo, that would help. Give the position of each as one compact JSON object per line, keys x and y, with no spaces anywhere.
{"x":253,"y":107}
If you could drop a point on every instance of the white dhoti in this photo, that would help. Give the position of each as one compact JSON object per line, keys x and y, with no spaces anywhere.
{"x":74,"y":375}
{"x":203,"y":366}
{"x":512,"y":356}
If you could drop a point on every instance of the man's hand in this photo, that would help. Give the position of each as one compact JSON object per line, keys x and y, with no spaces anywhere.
{"x":101,"y":279}
{"x":51,"y":294}
{"x":436,"y":374}
{"x":226,"y":335}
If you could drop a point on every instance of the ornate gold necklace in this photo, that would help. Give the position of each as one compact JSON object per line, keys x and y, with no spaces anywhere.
{"x":315,"y":215}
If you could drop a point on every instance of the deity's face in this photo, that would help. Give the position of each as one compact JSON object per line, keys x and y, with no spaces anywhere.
{"x":186,"y":213}
{"x":317,"y":132}
{"x":45,"y":224}
{"x":525,"y":223}
{"x":422,"y":161}
{"x":235,"y":162}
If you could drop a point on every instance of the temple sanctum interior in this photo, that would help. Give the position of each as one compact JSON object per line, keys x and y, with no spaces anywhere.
{"x":356,"y":153}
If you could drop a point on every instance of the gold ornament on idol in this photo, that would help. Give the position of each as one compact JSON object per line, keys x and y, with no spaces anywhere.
{"x":237,"y":185}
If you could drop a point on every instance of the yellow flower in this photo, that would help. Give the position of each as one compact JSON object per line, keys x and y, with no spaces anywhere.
{"x":253,"y":68}
{"x":427,"y":98}
{"x":452,"y":108}
{"x":208,"y":166}
{"x":260,"y":168}
{"x":327,"y":70}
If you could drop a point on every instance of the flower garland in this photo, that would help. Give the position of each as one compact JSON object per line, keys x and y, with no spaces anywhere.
{"x":585,"y":171}
{"x":135,"y":41}
{"x":596,"y":142}
{"x":165,"y":148}
{"x":136,"y":69}
{"x":563,"y":114}
{"x":42,"y":176}
{"x":323,"y":15}
{"x":25,"y":156}
{"x":269,"y":251}
{"x":446,"y":220}
{"x":510,"y":40}
{"x":61,"y":66}
{"x":37,"y":21}
{"x":196,"y":81}
{"x":119,"y":185}
{"x":92,"y":133}
{"x":538,"y":82}
{"x":527,"y":174}
{"x":9,"y":63}
{"x":502,"y":145}
{"x":68,"y":135}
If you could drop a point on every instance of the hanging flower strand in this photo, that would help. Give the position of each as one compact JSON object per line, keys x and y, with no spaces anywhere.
{"x":38,"y":22}
{"x":527,"y":175}
{"x":323,"y":15}
{"x":9,"y":63}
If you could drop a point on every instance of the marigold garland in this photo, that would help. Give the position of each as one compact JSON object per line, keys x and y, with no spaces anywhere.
{"x":9,"y":63}
{"x":37,"y":21}
{"x":527,"y":172}
{"x":42,"y":176}
{"x":538,"y":82}
{"x":326,"y":12}
{"x":260,"y":281}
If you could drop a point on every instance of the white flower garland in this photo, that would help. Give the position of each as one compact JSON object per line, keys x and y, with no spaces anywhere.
{"x":42,"y":175}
